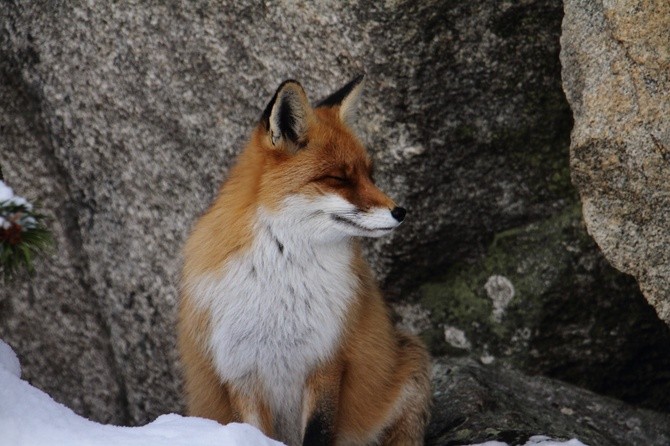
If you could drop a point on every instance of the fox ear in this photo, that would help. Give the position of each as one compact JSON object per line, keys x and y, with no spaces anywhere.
{"x":346,"y":98}
{"x":287,"y":116}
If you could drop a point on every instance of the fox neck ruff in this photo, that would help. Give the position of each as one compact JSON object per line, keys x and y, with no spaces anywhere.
{"x":278,"y":310}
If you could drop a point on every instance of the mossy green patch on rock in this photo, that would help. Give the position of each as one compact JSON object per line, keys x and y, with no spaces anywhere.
{"x":455,"y":299}
{"x":528,"y":261}
{"x":543,"y":299}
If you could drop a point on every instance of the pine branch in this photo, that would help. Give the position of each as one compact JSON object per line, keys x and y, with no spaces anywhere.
{"x":23,"y":233}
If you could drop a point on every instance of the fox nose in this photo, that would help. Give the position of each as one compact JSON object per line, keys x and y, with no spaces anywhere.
{"x":398,"y":213}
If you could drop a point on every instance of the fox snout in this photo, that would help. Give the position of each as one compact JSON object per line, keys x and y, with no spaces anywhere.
{"x":371,"y":222}
{"x":399,"y":213}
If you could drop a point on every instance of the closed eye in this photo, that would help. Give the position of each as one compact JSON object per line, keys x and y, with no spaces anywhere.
{"x":335,"y":180}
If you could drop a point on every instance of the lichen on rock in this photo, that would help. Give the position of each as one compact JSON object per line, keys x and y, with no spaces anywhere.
{"x":563,"y":318}
{"x":501,"y":292}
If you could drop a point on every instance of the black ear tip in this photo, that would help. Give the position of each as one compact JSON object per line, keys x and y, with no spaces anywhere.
{"x":337,"y":97}
{"x":355,"y":81}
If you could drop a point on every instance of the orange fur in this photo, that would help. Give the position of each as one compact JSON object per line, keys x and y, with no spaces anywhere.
{"x":375,"y":388}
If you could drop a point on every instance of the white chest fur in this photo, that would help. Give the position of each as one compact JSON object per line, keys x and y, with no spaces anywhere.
{"x":277,"y":311}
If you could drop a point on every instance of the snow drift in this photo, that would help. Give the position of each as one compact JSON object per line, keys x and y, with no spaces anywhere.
{"x":29,"y":417}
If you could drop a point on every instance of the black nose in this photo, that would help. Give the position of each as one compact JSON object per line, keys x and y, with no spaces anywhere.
{"x":398,"y":213}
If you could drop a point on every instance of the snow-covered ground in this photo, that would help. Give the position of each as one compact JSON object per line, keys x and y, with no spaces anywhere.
{"x":30,"y":417}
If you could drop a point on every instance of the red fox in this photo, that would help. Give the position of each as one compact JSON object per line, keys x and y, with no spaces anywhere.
{"x":281,"y":323}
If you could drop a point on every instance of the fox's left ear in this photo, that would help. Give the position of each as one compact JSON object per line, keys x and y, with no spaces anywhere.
{"x":346,"y":98}
{"x":287,"y":116}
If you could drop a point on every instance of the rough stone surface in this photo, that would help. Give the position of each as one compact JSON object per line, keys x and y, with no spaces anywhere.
{"x":54,"y":323}
{"x":474,"y":403}
{"x":124,"y":117}
{"x":616,"y":75}
{"x":570,"y":316}
{"x":137,"y":110}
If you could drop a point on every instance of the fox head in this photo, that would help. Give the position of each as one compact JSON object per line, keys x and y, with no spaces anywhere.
{"x":316,"y":175}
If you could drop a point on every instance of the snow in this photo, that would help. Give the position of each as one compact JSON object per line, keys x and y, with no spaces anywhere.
{"x":20,"y":201}
{"x":8,"y":360}
{"x":7,"y":195}
{"x":6,"y":192}
{"x":537,"y":440}
{"x":30,"y":417}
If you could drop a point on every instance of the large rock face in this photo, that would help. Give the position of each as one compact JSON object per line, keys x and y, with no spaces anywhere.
{"x":544,"y":299}
{"x":123,"y":119}
{"x":476,"y":403}
{"x":616,"y":75}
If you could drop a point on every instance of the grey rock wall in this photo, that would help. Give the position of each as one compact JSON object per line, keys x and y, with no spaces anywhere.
{"x":123,"y":118}
{"x":54,"y":321}
{"x":616,"y":76}
{"x":545,"y":300}
{"x":477,"y":403}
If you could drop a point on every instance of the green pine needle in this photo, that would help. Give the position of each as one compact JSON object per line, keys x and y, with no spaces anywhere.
{"x":34,"y":242}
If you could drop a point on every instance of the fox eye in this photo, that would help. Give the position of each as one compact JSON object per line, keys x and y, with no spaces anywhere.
{"x":335,"y":180}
